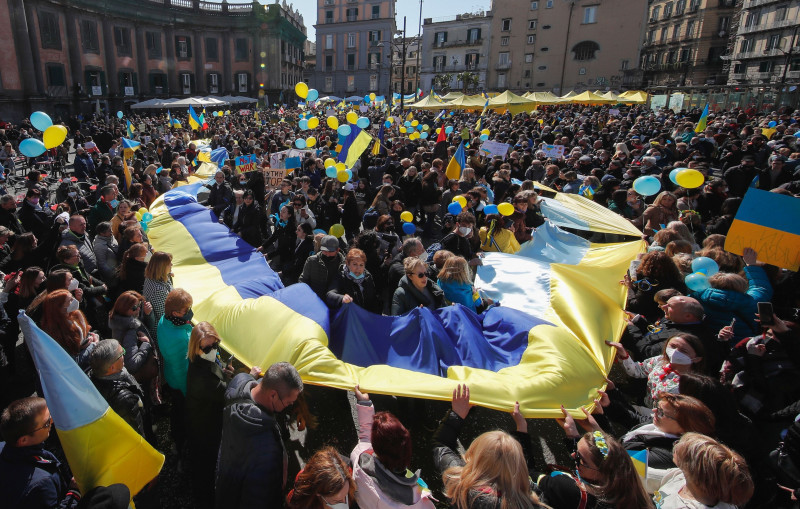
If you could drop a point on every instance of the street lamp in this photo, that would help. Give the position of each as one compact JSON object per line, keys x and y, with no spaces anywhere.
{"x":788,"y":57}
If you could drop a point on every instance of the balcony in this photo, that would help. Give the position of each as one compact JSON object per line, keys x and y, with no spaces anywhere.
{"x":763,"y":27}
{"x":460,"y":43}
{"x":759,"y":54}
{"x":503,"y":66}
{"x":352,"y":17}
{"x":756,"y":3}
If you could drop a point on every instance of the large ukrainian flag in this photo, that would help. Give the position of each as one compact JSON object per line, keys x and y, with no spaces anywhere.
{"x":100,"y":447}
{"x":544,"y":346}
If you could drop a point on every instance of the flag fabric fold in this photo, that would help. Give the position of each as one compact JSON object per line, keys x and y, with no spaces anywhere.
{"x":194,"y":119}
{"x":359,"y":145}
{"x":130,"y":129}
{"x":703,"y":122}
{"x":101,"y":448}
{"x":457,"y":163}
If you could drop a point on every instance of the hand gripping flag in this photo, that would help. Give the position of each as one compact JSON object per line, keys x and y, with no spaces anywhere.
{"x":101,"y":448}
{"x":457,"y":163}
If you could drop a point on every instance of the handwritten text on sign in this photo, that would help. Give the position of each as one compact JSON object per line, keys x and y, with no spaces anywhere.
{"x":553,"y":151}
{"x":245,"y":163}
{"x":273,"y":176}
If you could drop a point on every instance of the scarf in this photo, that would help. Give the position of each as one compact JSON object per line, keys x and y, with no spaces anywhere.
{"x":177,"y":321}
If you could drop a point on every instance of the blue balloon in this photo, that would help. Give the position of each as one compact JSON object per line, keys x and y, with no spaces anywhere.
{"x":366,"y":98}
{"x":454,"y":208}
{"x":448,"y":129}
{"x":362,"y":122}
{"x":772,"y":124}
{"x":484,"y":137}
{"x":697,"y":282}
{"x":344,"y":130}
{"x":407,"y":123}
{"x":647,"y":185}
{"x":349,"y":174}
{"x":300,"y":143}
{"x":797,"y":134}
{"x":119,"y":114}
{"x":424,"y":135}
{"x":303,"y":124}
{"x":147,"y":217}
{"x":318,"y":231}
{"x":490,"y":209}
{"x":388,"y":124}
{"x":420,"y":127}
{"x":705,"y":265}
{"x":409,"y":228}
{"x":31,"y":147}
{"x":673,"y":175}
{"x":40,"y":120}
{"x":331,"y":171}
{"x":143,"y":225}
{"x":313,"y":95}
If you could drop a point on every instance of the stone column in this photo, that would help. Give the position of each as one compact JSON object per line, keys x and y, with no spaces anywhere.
{"x":33,"y":44}
{"x":110,"y":56}
{"x":74,"y":55}
{"x":227,"y":73}
{"x":199,"y":68}
{"x":141,"y":61}
{"x":22,"y":41}
{"x":172,"y":62}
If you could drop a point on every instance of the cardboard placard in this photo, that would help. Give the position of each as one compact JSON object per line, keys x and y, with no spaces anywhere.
{"x":491,"y":148}
{"x":244,"y":164}
{"x":553,"y":151}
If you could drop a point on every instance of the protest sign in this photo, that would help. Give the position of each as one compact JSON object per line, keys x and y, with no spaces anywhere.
{"x":553,"y":151}
{"x":613,"y":112}
{"x":245,"y":163}
{"x":491,"y":148}
{"x":273,"y":176}
{"x":767,"y":222}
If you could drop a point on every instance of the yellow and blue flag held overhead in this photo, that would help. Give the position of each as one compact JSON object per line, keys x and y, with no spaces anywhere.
{"x":377,"y":148}
{"x":544,"y":347}
{"x":194,"y":120}
{"x":359,"y":145}
{"x":130,"y":129}
{"x":457,"y":163}
{"x":703,"y":122}
{"x":101,"y":448}
{"x":173,"y":122}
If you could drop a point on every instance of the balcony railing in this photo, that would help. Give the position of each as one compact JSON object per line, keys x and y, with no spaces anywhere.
{"x":502,"y":66}
{"x":762,"y":27}
{"x":756,"y":3}
{"x":454,"y":44}
{"x":776,"y":52}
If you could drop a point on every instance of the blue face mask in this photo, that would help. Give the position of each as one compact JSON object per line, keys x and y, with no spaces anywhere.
{"x":114,"y":203}
{"x":360,"y":276}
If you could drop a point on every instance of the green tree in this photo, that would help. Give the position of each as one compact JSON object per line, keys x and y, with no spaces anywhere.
{"x":441,"y":82}
{"x":468,"y":80}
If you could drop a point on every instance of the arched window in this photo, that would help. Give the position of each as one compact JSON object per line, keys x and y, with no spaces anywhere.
{"x":585,"y":50}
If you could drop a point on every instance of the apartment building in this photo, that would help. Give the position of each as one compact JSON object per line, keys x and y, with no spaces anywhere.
{"x":354,"y":46}
{"x":406,"y":81}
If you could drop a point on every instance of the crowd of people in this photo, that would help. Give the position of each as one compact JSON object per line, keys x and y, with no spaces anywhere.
{"x":720,"y":387}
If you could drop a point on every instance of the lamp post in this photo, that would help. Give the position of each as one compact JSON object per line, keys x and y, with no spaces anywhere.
{"x":788,"y":57}
{"x":403,"y":70}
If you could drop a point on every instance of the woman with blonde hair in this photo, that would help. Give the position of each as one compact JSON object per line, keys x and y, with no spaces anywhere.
{"x":415,"y":289}
{"x":709,"y":475}
{"x":455,"y":280}
{"x":124,"y":213}
{"x":64,"y":322}
{"x":656,"y":217}
{"x":158,"y":282}
{"x":325,"y":481}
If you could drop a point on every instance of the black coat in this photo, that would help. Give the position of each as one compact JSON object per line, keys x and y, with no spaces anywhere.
{"x":35,"y":220}
{"x":205,"y":398}
{"x":251,"y":223}
{"x":219,"y":197}
{"x":9,"y":219}
{"x":363,"y":295}
{"x":285,"y":237}
{"x":294,"y":266}
{"x":125,"y":397}
{"x":134,"y":276}
{"x":660,"y":449}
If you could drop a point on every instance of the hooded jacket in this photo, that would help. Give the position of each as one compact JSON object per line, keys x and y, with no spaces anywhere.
{"x":106,"y":250}
{"x":407,"y":297}
{"x":125,"y":329}
{"x":252,"y":463}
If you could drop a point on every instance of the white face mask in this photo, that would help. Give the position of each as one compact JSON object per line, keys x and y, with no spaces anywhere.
{"x":147,"y":257}
{"x":211,"y":356}
{"x":73,"y":285}
{"x":678,"y":357}
{"x":73,"y":306}
{"x":340,"y":505}
{"x":464,"y":230}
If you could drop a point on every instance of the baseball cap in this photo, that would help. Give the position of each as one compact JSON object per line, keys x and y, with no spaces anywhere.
{"x":329,"y":244}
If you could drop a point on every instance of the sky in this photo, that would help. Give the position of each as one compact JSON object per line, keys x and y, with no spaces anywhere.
{"x":408,"y":8}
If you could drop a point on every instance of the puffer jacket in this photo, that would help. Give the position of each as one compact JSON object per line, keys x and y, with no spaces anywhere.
{"x":376,"y":486}
{"x":34,"y":478}
{"x":315,"y":273}
{"x":407,"y":297}
{"x":84,"y":245}
{"x":721,"y":306}
{"x":106,"y":250}
{"x":124,"y":395}
{"x":125,"y":329}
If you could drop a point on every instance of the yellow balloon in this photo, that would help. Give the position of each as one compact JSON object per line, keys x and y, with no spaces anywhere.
{"x":402,"y":129}
{"x":372,"y":96}
{"x":390,"y":119}
{"x":313,"y":123}
{"x":333,"y":122}
{"x":311,"y":141}
{"x":301,"y":89}
{"x":340,"y":167}
{"x":413,"y":136}
{"x":143,"y":210}
{"x":53,"y":136}
{"x":330,"y":162}
{"x":687,"y":178}
{"x":426,"y":127}
{"x":407,"y":216}
{"x":352,"y":117}
{"x":461,"y":201}
{"x":138,"y":215}
{"x":342,"y":176}
{"x":505,"y":209}
{"x":486,"y":132}
{"x":415,"y":123}
{"x":337,"y":230}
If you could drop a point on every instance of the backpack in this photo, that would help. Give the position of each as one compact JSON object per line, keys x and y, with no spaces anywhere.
{"x":436,"y":246}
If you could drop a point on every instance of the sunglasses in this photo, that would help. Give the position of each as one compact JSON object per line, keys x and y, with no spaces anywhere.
{"x":580,"y":461}
{"x":120,"y":355}
{"x":297,"y":205}
{"x":661,"y":414}
{"x":421,"y":275}
{"x":208,"y":348}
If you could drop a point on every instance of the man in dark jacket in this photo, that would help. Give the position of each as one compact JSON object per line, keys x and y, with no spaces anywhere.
{"x":104,"y":208}
{"x":320,"y":269}
{"x":739,"y":177}
{"x":117,"y":386}
{"x":32,"y":477}
{"x":252,"y":465}
{"x":84,"y":165}
{"x":8,"y":214}
{"x":220,"y":194}
{"x":35,"y":218}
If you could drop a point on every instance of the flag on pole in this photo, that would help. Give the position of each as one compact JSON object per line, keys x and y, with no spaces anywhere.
{"x":359,"y":145}
{"x":703,"y":122}
{"x":194,"y":119}
{"x":377,"y":148}
{"x":101,"y":448}
{"x":130,"y":129}
{"x":173,"y":122}
{"x":128,"y":147}
{"x":457,"y":163}
{"x":442,"y":135}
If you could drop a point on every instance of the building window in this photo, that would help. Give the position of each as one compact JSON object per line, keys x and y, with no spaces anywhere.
{"x":376,"y":11}
{"x":526,"y":73}
{"x":690,"y":29}
{"x":655,"y":12}
{"x":780,"y":13}
{"x":328,"y":17}
{"x":472,"y":60}
{"x":532,"y":24}
{"x":590,"y":15}
{"x":351,"y":83}
{"x":328,"y":63}
{"x":723,"y":23}
{"x":503,"y":58}
{"x":153,"y":44}
{"x":694,"y":5}
{"x":746,"y":46}
{"x":374,"y":36}
{"x":624,"y":65}
{"x":676,"y":31}
{"x":329,"y":41}
{"x":582,"y":71}
{"x":528,"y":58}
{"x":89,"y":36}
{"x":438,"y":63}
{"x":548,"y":4}
{"x":667,"y":10}
{"x":774,"y":42}
{"x":504,"y":41}
{"x":373,"y":82}
{"x":186,"y":83}
{"x":183,"y":47}
{"x":534,"y":6}
{"x":374,"y":60}
{"x":753,"y":18}
{"x":795,"y":65}
{"x":56,"y":77}
{"x":473,"y":35}
{"x":684,"y":56}
{"x":531,"y":39}
{"x":765,"y":66}
{"x":242,"y":80}
{"x":351,"y":40}
{"x":122,"y":40}
{"x":352,"y":14}
{"x":158,"y":83}
{"x":542,"y":68}
{"x":663,"y":35}
{"x":328,"y":83}
{"x":351,"y":61}
{"x":585,"y":50}
{"x":126,"y":83}
{"x":439,"y":38}
{"x":501,"y":81}
{"x":213,"y":83}
{"x":505,"y":25}
{"x":680,"y":6}
{"x":49,"y":30}
{"x":212,"y":53}
{"x":240,"y":49}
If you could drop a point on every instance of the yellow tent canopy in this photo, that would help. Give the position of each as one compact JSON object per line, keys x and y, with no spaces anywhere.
{"x":633,"y":97}
{"x":512,"y":102}
{"x":467,"y":103}
{"x":543,"y":97}
{"x":429,"y":103}
{"x":611,"y":95}
{"x":452,"y":96}
{"x":569,"y":95}
{"x":590,"y":98}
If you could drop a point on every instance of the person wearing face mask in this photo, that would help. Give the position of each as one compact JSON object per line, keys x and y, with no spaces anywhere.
{"x":33,"y":217}
{"x":320,"y":269}
{"x":252,"y":462}
{"x":283,"y":238}
{"x":64,"y":322}
{"x":104,"y":208}
{"x":326,"y":482}
{"x":130,"y":320}
{"x":106,"y":251}
{"x":122,"y":392}
{"x":458,"y":241}
{"x":75,"y":235}
{"x":353,"y":284}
